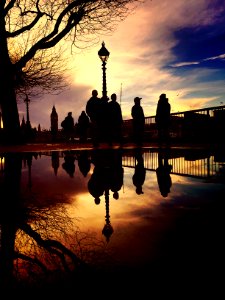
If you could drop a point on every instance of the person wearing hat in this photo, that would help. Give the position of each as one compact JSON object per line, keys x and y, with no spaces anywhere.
{"x":138,"y":116}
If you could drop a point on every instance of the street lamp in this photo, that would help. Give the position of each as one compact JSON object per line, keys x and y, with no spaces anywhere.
{"x":103,"y":54}
{"x":28,"y":125}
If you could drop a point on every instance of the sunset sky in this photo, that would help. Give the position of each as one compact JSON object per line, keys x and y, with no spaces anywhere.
{"x":174,"y":47}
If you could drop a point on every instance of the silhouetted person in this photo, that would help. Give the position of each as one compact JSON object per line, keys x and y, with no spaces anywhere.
{"x":84,"y":163}
{"x":104,"y":120}
{"x":137,"y":114}
{"x":139,"y":172}
{"x":93,"y":112}
{"x":83,"y":126}
{"x":96,"y":185}
{"x":98,"y":179}
{"x":117,"y":173}
{"x":68,"y":126}
{"x":55,"y":161}
{"x":162,"y":118}
{"x":69,"y":165}
{"x":107,"y":173}
{"x":163,"y":174}
{"x":116,"y":120}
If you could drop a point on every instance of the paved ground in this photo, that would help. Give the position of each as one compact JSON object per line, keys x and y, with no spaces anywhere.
{"x":40,"y":147}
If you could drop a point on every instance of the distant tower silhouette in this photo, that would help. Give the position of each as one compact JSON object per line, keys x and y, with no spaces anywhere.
{"x":54,"y":119}
{"x":54,"y":122}
{"x":23,"y":126}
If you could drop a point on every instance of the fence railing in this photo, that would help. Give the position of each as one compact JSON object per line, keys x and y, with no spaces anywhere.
{"x":198,"y":124}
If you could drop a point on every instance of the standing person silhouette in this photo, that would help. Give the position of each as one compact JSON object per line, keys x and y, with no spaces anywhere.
{"x":68,"y":126}
{"x":83,"y":126}
{"x":116,"y":120}
{"x":104,"y":120}
{"x":93,"y":111}
{"x":162,"y":118}
{"x":137,"y":114}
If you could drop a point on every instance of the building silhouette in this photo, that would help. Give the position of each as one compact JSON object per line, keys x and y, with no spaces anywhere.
{"x":54,"y":122}
{"x":54,"y":119}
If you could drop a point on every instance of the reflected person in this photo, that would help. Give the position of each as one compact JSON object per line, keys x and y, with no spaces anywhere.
{"x":139,"y":172}
{"x":69,"y":165}
{"x":99,"y":182}
{"x":84,"y":162}
{"x":163,"y":174}
{"x":117,"y":173}
{"x":107,"y":174}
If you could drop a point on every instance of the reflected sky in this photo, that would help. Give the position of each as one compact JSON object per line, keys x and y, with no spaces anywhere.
{"x":56,"y":201}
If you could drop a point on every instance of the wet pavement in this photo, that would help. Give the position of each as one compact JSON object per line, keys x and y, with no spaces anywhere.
{"x":88,"y":146}
{"x":187,"y":230}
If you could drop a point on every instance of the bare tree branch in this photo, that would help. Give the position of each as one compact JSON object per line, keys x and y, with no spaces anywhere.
{"x":31,"y":36}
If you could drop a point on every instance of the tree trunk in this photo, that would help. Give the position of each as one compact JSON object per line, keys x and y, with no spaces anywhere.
{"x":10,"y":116}
{"x":8,"y":103}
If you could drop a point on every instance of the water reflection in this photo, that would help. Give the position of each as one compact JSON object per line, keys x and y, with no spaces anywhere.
{"x":52,"y":229}
{"x":139,"y":171}
{"x":163,"y":172}
{"x":84,"y":162}
{"x":68,"y":164}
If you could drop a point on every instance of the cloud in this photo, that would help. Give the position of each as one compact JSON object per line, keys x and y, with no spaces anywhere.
{"x":163,"y":46}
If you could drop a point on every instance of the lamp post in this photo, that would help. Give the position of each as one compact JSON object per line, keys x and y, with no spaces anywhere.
{"x":28,"y":125}
{"x":27,"y":100}
{"x":103,"y":54}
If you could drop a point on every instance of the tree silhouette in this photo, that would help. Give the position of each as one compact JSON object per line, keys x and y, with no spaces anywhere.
{"x":31,"y":36}
{"x":41,"y":245}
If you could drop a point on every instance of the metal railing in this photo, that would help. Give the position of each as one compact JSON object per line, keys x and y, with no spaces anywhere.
{"x":205,"y":123}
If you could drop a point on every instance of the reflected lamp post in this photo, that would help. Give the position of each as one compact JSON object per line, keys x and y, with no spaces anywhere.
{"x":103,"y":54}
{"x":107,"y":230}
